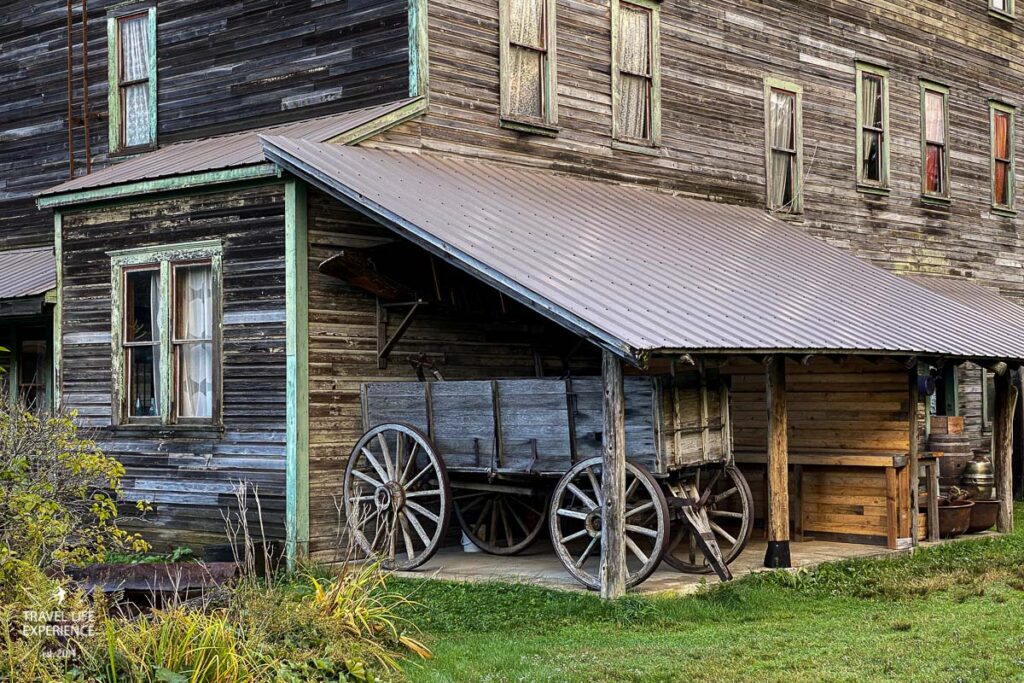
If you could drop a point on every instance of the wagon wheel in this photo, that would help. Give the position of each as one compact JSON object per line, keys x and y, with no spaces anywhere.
{"x":500,"y":523}
{"x":576,"y":514}
{"x":397,"y":498}
{"x":730,"y":509}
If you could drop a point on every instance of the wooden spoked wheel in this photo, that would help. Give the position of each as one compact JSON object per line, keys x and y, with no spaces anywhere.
{"x":397,"y":497}
{"x":498,"y":522}
{"x":576,"y":520}
{"x":729,"y":506}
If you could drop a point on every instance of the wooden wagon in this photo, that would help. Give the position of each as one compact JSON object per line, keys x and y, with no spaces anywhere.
{"x":511,"y":457}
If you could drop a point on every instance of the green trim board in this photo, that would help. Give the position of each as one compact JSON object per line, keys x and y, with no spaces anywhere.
{"x":58,"y":308}
{"x":163,"y":259}
{"x":938,"y":89}
{"x":771,"y":84}
{"x":174,"y":183}
{"x":381,"y":123}
{"x":419,"y":51}
{"x":547,"y":123}
{"x":297,"y":358}
{"x":863,"y":183}
{"x":114,"y":103}
{"x":654,"y":7}
{"x":994,"y":107}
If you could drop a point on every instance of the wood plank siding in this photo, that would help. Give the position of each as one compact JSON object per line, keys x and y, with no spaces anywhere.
{"x":221,"y":67}
{"x":715,"y":58}
{"x":188,"y":473}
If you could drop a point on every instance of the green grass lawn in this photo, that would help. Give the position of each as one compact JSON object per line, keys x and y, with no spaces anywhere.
{"x":950,"y":613}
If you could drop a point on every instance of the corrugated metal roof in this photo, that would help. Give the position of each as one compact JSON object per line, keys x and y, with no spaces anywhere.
{"x":221,"y":152}
{"x":641,"y":270}
{"x":27,"y":272}
{"x":980,"y":298}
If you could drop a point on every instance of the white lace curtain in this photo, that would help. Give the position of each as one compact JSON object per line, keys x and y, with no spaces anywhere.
{"x":135,"y":67}
{"x":634,"y":72}
{"x":526,"y":58}
{"x":871,"y":115}
{"x":195,"y":334}
{"x":783,"y":138}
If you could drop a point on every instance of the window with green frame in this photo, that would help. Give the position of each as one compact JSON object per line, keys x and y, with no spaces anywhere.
{"x":131,"y":76}
{"x":872,"y":127}
{"x":636,"y":72}
{"x":1004,"y":168}
{"x":1005,"y":8}
{"x":165,"y":326}
{"x":529,"y":97}
{"x":934,"y":141}
{"x":783,"y":146}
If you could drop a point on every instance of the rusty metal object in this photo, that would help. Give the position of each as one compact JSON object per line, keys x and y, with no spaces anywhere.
{"x":156,"y":578}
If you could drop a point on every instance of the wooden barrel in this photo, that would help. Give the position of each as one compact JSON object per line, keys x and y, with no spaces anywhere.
{"x":956,"y":453}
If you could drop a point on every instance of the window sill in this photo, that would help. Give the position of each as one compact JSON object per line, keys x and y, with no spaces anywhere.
{"x":1004,"y":212}
{"x":131,"y":151}
{"x":936,"y":201}
{"x":650,"y":150}
{"x":790,"y":216}
{"x":1000,"y":15}
{"x":209,"y":430}
{"x":529,"y":127}
{"x":873,"y":190}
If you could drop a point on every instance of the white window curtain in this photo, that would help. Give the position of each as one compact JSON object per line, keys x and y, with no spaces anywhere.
{"x":135,"y":67}
{"x":195,"y":332}
{"x":871,"y":115}
{"x":783,"y":143}
{"x":527,"y":41}
{"x":634,"y":72}
{"x":154,"y":311}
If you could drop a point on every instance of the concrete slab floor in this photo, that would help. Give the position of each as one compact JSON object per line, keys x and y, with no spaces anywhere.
{"x":541,"y":566}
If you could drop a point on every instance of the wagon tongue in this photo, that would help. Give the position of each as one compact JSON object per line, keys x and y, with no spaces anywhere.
{"x":695,"y":515}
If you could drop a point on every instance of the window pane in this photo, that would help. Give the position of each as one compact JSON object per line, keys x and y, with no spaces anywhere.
{"x":195,"y":376}
{"x":134,"y":48}
{"x":1002,"y":183}
{"x":783,"y":128}
{"x":143,"y":381}
{"x":933,"y":173}
{"x":1002,"y":135}
{"x":142,"y":306}
{"x":525,"y":82}
{"x":136,"y":115}
{"x":871,"y":105}
{"x":783,"y":173}
{"x":634,"y":110}
{"x":32,"y":373}
{"x":1001,"y":5}
{"x":872,"y":155}
{"x":526,"y":19}
{"x":193,"y":304}
{"x":634,"y":40}
{"x":935,"y":117}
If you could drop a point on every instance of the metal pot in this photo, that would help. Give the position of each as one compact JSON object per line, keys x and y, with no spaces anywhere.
{"x":978,"y":474}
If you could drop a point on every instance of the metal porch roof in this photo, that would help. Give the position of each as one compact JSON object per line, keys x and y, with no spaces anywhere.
{"x":986,"y":300}
{"x":641,"y":271}
{"x":222,"y":152}
{"x":27,"y":272}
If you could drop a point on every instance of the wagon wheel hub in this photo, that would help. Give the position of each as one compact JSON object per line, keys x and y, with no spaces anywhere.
{"x":593,"y":523}
{"x":390,"y":495}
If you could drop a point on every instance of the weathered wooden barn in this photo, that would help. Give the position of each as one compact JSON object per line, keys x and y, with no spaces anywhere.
{"x":270,"y":210}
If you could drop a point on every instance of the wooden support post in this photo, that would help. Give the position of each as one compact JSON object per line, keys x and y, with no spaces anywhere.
{"x":1002,"y":452}
{"x":613,"y":481}
{"x":913,"y":400}
{"x":777,"y":554}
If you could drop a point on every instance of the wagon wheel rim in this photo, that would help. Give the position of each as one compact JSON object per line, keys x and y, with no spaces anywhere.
{"x":397,"y":496}
{"x":500,"y":523}
{"x":730,"y":509}
{"x":576,"y":515}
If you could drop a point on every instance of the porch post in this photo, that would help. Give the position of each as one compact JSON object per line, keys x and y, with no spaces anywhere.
{"x":913,"y":401}
{"x":1002,"y":451}
{"x":613,"y":481}
{"x":777,"y":554}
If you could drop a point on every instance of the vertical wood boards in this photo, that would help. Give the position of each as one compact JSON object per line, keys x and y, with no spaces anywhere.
{"x":777,"y":554}
{"x":613,"y":480}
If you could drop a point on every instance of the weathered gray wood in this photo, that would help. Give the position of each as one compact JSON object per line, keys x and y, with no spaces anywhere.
{"x":777,"y":554}
{"x":1002,"y":449}
{"x":912,"y":460}
{"x":613,"y":481}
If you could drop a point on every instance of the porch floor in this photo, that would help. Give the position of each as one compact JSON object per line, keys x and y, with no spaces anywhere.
{"x":541,"y":566}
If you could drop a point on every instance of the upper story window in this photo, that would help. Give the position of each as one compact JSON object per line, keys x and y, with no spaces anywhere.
{"x":528,"y":64}
{"x":636,"y":72}
{"x":1003,"y":7}
{"x":1003,"y":166}
{"x":934,"y":138}
{"x":784,"y":146}
{"x":166,"y":320}
{"x":872,"y":127}
{"x":131,"y":44}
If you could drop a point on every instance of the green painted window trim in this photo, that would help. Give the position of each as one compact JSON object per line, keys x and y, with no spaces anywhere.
{"x":548,"y":122}
{"x":1009,"y":14}
{"x":995,"y":106}
{"x":297,"y":357}
{"x":113,"y":79}
{"x":771,"y":84}
{"x":172,"y":184}
{"x":864,"y":185}
{"x":164,"y":258}
{"x":932,"y":87}
{"x":655,"y":8}
{"x":58,"y":308}
{"x":419,"y":51}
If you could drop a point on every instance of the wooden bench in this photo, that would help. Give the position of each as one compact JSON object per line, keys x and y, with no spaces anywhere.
{"x":897,"y":489}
